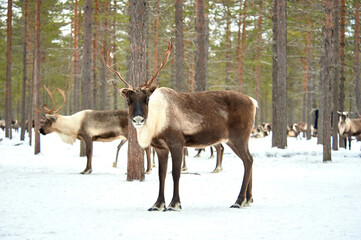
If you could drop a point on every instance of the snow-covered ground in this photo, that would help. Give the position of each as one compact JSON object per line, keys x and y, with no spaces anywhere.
{"x":296,"y":196}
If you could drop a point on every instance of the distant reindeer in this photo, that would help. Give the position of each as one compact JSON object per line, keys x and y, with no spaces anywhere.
{"x":169,"y":120}
{"x":219,"y":149}
{"x":87,"y":126}
{"x":348,"y":127}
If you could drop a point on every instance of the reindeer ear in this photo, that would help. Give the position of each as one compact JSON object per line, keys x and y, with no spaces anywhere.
{"x":126,"y":91}
{"x":152,"y":89}
{"x":51,"y":117}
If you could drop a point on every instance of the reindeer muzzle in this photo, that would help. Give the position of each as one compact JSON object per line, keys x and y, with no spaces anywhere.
{"x":138,"y":121}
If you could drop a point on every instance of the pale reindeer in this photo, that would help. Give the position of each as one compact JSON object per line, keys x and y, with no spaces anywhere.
{"x":168,"y":121}
{"x":348,"y":127}
{"x":88,"y":126}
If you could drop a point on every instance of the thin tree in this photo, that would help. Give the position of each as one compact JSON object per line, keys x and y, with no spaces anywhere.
{"x":309,"y":74}
{"x":258,"y":55}
{"x":156,"y":33}
{"x":103,"y":96}
{"x":23,"y":94}
{"x":9,"y":37}
{"x":114,"y":48}
{"x":243,"y":42}
{"x":179,"y":46}
{"x":326,"y":81}
{"x":335,"y":48}
{"x":201,"y":57}
{"x":76,"y":74}
{"x":228,"y":46}
{"x":357,"y":56}
{"x":137,"y":75}
{"x":279,"y":90}
{"x":95,"y":47}
{"x":37,"y":77}
{"x":342,"y":61}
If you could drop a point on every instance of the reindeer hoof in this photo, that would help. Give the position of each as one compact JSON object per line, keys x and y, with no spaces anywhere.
{"x":240,"y":204}
{"x":217,"y":170}
{"x":184,"y":169}
{"x":89,"y":171}
{"x":156,"y":208}
{"x":148,"y":171}
{"x":176,"y":208}
{"x":114,"y":165}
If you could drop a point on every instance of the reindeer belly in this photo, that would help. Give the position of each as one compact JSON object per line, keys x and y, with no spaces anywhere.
{"x":205,"y":138}
{"x":108,"y":136}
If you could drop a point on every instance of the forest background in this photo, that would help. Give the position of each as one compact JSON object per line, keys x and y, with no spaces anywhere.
{"x":239,"y":44}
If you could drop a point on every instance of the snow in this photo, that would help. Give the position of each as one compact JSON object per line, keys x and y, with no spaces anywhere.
{"x":296,"y":196}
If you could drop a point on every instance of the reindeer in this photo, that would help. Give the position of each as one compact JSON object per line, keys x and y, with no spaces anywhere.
{"x":87,"y":126}
{"x":168,"y":121}
{"x":348,"y":127}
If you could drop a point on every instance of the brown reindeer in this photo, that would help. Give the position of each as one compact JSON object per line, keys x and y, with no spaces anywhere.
{"x":348,"y":127}
{"x":169,"y":120}
{"x":88,"y":126}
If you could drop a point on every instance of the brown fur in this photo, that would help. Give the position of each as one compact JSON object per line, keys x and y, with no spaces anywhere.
{"x":174,"y":120}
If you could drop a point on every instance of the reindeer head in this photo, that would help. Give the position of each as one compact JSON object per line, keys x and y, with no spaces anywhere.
{"x":47,"y":123}
{"x":138,"y":99}
{"x":342,"y":116}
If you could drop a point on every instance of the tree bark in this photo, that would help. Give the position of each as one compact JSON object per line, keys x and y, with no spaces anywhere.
{"x":37,"y":77}
{"x":335,"y":76}
{"x":241,"y":66}
{"x":76,"y":80}
{"x":201,"y":57}
{"x":228,"y":48}
{"x":179,"y":47}
{"x":309,"y":75}
{"x":357,"y":56}
{"x":258,"y":57}
{"x":279,"y":99}
{"x":137,"y":74}
{"x":23,"y":95}
{"x":8,"y":132}
{"x":326,"y":83}
{"x":342,"y":61}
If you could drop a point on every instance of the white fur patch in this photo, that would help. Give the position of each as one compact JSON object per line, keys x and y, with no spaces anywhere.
{"x":156,"y":120}
{"x":68,"y":126}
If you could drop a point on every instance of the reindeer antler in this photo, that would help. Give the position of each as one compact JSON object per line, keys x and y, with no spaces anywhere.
{"x":164,"y":61}
{"x":111,"y":69}
{"x":47,"y":110}
{"x":51,"y":94}
{"x":62,"y":92}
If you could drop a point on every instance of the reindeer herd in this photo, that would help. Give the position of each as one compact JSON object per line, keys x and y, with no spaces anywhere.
{"x":169,"y":122}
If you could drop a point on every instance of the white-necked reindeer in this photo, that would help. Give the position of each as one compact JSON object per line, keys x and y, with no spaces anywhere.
{"x":88,"y":126}
{"x":348,"y":127}
{"x":169,"y":120}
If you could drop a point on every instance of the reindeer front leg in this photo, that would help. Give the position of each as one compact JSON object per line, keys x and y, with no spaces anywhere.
{"x":177,"y":156}
{"x":162,"y":172}
{"x":89,"y":154}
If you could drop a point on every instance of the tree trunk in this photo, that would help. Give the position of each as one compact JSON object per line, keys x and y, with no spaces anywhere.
{"x":279,"y":102}
{"x":114,"y":47}
{"x":309,"y":75}
{"x":76,"y":74}
{"x":258,"y":58}
{"x":23,"y":94}
{"x":137,"y":74}
{"x":201,"y":57}
{"x":357,"y":56}
{"x":103,"y":96}
{"x":240,"y":83}
{"x":335,"y":76}
{"x":86,"y":88}
{"x":228,"y":49}
{"x":179,"y":47}
{"x":37,"y":77}
{"x":95,"y":47}
{"x":8,"y":132}
{"x":342,"y":61}
{"x":326,"y":83}
{"x":156,"y":29}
